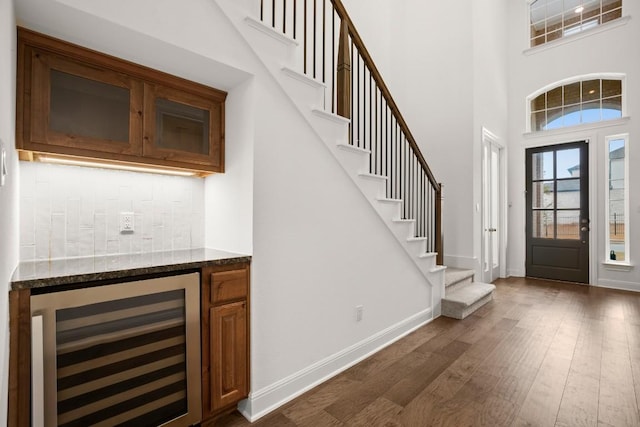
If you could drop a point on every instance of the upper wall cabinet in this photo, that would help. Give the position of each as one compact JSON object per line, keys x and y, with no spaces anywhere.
{"x":72,"y":101}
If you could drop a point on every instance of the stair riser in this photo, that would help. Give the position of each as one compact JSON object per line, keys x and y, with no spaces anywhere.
{"x":457,"y":313}
{"x":388,"y":210}
{"x":354,"y":162}
{"x":330,"y":131}
{"x":402,"y":229}
{"x":279,"y":54}
{"x":302,"y":93}
{"x":418,"y":247}
{"x":457,"y":285}
{"x":372,"y":188}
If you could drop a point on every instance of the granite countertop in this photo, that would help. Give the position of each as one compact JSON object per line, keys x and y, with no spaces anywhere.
{"x":66,"y":271}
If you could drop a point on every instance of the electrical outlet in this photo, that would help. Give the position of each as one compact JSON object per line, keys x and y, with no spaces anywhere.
{"x":126,"y":222}
{"x":359,"y":312}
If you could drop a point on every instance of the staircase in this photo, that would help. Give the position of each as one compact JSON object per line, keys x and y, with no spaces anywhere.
{"x":463,"y":296}
{"x":315,"y":54}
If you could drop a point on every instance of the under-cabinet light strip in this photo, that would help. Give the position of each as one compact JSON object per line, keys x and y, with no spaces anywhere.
{"x":73,"y":162}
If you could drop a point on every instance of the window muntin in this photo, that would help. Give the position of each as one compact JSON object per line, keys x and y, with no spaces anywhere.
{"x":553,"y":19}
{"x":556,"y":194}
{"x":617,"y":199}
{"x":583,"y":101}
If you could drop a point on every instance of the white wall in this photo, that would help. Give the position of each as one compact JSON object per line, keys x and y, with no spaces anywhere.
{"x":446,"y":67}
{"x":70,"y":211}
{"x":374,"y":21}
{"x":319,"y":251}
{"x":608,"y":51}
{"x":9,"y":223}
{"x":490,"y":99}
{"x":229,"y":196}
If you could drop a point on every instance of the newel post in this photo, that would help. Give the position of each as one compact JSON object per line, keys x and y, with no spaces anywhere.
{"x":439,"y":232}
{"x":343,"y":87}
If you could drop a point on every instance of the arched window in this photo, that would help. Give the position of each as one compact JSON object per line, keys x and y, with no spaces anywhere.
{"x":553,"y":19}
{"x":575,"y":102}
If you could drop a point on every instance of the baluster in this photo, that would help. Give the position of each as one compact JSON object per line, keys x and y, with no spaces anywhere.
{"x":438,"y":226}
{"x":344,"y":73}
{"x":370,"y":119}
{"x":386,"y":143}
{"x":305,"y":37}
{"x":324,"y":38}
{"x":375,"y":159}
{"x":404,"y":177}
{"x":315,"y":35}
{"x":333,"y":58}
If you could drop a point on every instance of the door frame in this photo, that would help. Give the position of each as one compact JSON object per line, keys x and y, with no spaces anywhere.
{"x":489,"y":137}
{"x":563,"y":136}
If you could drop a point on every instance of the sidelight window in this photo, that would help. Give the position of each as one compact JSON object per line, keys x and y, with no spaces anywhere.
{"x":617,"y":199}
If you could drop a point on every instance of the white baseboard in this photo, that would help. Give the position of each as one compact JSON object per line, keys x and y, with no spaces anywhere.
{"x":263,"y":401}
{"x":515,"y":273}
{"x":617,"y":284}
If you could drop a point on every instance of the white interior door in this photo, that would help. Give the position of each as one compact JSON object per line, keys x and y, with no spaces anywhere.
{"x":492,"y":218}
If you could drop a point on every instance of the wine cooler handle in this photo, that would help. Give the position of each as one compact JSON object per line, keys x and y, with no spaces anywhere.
{"x":37,"y":371}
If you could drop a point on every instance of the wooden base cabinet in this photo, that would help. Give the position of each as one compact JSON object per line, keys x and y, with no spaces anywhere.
{"x":225,"y":338}
{"x":224,"y":312}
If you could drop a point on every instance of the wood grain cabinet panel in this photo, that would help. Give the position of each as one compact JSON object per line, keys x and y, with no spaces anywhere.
{"x":75,"y":102}
{"x":77,"y":106}
{"x":225,"y":338}
{"x":229,"y":285}
{"x":183,"y":127}
{"x":229,"y":340}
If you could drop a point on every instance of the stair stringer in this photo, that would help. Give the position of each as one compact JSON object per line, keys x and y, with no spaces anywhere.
{"x":280,"y":54}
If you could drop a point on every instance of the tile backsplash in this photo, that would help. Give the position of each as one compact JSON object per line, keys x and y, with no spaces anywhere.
{"x":69,"y":211}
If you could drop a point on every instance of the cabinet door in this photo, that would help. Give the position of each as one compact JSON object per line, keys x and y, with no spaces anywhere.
{"x":228,"y":338}
{"x":183,"y":127}
{"x":81,"y":107}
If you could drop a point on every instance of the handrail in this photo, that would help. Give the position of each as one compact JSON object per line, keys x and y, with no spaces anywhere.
{"x":357,"y":40}
{"x":335,"y":53}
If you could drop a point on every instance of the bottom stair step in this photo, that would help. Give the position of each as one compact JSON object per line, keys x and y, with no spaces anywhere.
{"x":466,"y":299}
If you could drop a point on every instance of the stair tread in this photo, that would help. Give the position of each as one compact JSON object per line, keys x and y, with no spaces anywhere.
{"x":455,"y":275}
{"x":468,"y":294}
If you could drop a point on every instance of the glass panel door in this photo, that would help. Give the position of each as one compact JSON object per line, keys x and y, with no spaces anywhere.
{"x":491,"y":210}
{"x":84,"y":108}
{"x":557,"y":212}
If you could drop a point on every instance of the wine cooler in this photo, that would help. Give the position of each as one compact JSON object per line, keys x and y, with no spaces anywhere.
{"x":122,"y":354}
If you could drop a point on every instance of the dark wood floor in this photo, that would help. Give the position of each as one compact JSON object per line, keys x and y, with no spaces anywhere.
{"x":541,"y":354}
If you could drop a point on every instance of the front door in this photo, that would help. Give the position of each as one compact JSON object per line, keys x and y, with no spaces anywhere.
{"x":557,"y":223}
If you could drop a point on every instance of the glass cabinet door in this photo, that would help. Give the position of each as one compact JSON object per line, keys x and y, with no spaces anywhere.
{"x":84,"y":107}
{"x":183,"y":127}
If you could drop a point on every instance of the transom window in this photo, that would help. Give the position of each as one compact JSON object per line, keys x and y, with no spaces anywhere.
{"x":577,"y":102}
{"x":553,"y":19}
